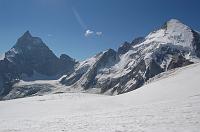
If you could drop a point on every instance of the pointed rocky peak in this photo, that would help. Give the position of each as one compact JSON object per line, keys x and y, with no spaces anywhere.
{"x":29,"y":47}
{"x":25,"y":37}
{"x":27,"y":34}
{"x":28,"y":41}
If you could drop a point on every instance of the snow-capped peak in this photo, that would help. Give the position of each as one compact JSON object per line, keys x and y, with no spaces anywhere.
{"x":174,"y":21}
{"x":173,"y":32}
{"x":175,"y":25}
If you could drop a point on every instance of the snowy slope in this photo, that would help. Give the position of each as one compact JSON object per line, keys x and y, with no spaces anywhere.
{"x":168,"y":105}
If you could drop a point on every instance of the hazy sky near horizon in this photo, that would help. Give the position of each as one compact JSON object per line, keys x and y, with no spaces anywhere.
{"x":82,"y":28}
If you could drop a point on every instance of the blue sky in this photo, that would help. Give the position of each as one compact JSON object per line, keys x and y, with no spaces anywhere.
{"x":62,"y":23}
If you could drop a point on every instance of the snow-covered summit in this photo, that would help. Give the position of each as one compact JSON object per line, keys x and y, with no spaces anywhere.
{"x":173,"y":32}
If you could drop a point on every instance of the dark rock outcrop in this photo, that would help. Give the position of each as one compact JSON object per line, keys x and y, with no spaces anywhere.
{"x":124,"y":48}
{"x":196,"y":42}
{"x":137,"y":41}
{"x":178,"y":61}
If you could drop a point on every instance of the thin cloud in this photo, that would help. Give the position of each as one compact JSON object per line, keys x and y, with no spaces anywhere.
{"x":79,"y":19}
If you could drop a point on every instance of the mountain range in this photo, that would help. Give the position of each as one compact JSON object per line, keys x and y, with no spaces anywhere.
{"x":110,"y":72}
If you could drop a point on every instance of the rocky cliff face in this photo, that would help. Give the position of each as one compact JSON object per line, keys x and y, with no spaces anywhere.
{"x":114,"y":72}
{"x":30,"y":59}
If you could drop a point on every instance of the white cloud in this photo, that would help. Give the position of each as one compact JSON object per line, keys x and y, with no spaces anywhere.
{"x":88,"y":33}
{"x":99,"y":33}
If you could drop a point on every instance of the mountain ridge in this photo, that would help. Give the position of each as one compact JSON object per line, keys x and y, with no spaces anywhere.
{"x":169,"y":47}
{"x":129,"y":67}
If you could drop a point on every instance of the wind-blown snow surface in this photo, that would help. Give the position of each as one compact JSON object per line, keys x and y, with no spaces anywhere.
{"x":170,"y":104}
